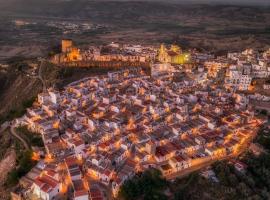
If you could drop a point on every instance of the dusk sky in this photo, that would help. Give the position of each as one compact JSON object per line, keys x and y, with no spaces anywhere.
{"x":254,"y":2}
{"x":233,"y":1}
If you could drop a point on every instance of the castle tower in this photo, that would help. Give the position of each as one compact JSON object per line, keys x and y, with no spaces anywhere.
{"x":66,"y":45}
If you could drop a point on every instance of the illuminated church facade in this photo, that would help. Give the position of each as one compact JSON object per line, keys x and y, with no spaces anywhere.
{"x":174,"y":55}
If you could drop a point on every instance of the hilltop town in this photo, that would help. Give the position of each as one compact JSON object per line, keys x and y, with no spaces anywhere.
{"x":191,"y":110}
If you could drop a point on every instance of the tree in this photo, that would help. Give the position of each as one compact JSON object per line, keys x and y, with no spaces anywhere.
{"x":148,"y":185}
{"x":179,"y":195}
{"x":12,"y":178}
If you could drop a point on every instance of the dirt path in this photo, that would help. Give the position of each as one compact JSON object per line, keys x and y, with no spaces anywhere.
{"x":40,"y":76}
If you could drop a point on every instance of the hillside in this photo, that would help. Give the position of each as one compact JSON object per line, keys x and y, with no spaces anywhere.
{"x":20,"y":87}
{"x":211,"y":27}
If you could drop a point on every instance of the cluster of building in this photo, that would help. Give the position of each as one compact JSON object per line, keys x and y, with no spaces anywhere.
{"x":125,"y":53}
{"x":69,"y":27}
{"x":102,"y":130}
{"x":107,"y":53}
{"x":241,"y":68}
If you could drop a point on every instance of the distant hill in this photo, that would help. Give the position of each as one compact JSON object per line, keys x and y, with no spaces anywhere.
{"x":213,"y":27}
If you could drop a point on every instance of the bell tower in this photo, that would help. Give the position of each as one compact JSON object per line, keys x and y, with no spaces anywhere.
{"x":66,"y":45}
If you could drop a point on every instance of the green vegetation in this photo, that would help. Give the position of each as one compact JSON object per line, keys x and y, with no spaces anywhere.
{"x":197,"y":187}
{"x":232,"y":185}
{"x":6,"y":142}
{"x":24,"y":165}
{"x":66,"y":72}
{"x":12,"y":114}
{"x":18,"y":91}
{"x":263,"y":112}
{"x":148,"y":185}
{"x":226,"y":174}
{"x":264,"y":138}
{"x":67,"y":75}
{"x":33,"y":139}
{"x":182,"y":186}
{"x":259,"y":172}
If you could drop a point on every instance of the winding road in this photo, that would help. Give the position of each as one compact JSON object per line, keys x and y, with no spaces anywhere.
{"x":12,"y":126}
{"x":40,"y":75}
{"x":14,"y":133}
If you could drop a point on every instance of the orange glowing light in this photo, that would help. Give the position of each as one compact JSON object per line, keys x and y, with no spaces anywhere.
{"x":35,"y":156}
